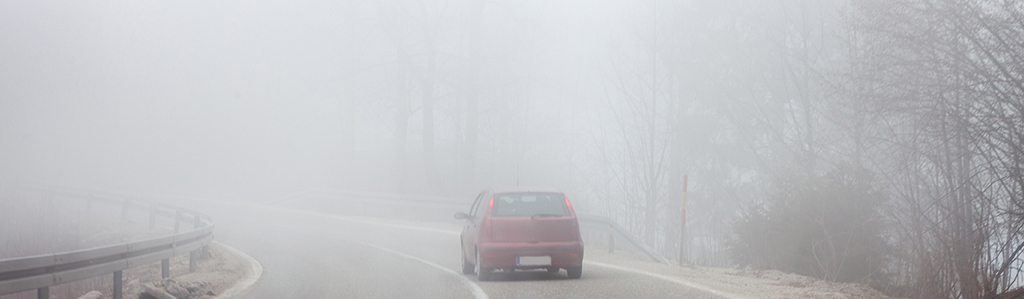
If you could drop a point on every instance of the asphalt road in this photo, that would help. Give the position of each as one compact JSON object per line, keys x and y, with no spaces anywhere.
{"x":364,"y":249}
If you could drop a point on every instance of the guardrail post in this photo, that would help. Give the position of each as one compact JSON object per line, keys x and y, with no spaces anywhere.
{"x":205,"y":250}
{"x":91,"y":262}
{"x":177,"y":220}
{"x":152,"y":216}
{"x":117,"y":284}
{"x":194,"y":254}
{"x":165,"y":268}
{"x":43,"y":293}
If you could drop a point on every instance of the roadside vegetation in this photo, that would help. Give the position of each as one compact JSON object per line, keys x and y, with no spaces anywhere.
{"x":899,"y":148}
{"x":870,"y":141}
{"x":877,"y":142}
{"x":830,"y":227}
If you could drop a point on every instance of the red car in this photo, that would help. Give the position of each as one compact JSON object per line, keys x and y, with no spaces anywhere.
{"x":521,"y":229}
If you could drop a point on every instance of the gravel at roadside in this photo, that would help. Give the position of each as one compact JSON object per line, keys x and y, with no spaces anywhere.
{"x":214,"y":274}
{"x":769,"y":284}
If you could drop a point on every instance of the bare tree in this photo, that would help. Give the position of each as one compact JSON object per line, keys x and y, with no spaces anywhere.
{"x":415,"y":29}
{"x":945,"y":84}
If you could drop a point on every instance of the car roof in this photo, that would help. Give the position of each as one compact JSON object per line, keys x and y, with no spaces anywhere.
{"x":524,"y":189}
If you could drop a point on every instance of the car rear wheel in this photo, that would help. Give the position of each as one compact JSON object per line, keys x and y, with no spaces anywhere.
{"x":574,"y":272}
{"x":467,"y":268}
{"x":482,"y":273}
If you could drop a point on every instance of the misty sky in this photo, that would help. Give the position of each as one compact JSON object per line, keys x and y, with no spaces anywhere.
{"x":238,"y":97}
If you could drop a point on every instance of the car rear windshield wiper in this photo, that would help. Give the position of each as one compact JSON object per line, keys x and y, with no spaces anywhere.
{"x":544,"y":215}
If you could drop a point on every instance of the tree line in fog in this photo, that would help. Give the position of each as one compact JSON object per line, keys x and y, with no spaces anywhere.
{"x":859,"y":141}
{"x":868,"y":141}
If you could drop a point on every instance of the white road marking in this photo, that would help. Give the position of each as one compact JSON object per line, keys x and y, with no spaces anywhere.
{"x":476,"y":290}
{"x":473,"y":287}
{"x":381,"y":222}
{"x":676,"y":280}
{"x":252,"y":275}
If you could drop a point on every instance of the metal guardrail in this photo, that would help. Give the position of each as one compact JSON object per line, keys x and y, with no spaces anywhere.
{"x":40,"y":272}
{"x":331,"y":193}
{"x":613,"y":228}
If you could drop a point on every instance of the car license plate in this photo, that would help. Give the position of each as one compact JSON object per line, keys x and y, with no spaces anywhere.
{"x":533,"y":260}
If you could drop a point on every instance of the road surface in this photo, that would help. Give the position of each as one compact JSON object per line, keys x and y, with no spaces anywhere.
{"x":343,"y":248}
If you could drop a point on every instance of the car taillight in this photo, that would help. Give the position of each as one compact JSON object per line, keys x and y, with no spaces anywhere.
{"x":488,"y":224}
{"x":575,"y":224}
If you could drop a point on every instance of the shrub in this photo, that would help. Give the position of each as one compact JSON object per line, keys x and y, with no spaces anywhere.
{"x":827,"y":227}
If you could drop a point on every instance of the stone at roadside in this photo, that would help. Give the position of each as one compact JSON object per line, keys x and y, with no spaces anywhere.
{"x":176,"y":289}
{"x":158,"y":293}
{"x":92,"y":295}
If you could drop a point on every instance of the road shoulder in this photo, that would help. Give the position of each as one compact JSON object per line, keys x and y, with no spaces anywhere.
{"x":226,"y":273}
{"x":732,"y":283}
{"x":252,"y":273}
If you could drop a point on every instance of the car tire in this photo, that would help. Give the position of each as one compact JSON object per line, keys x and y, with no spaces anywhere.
{"x":574,"y":272}
{"x":482,"y":273}
{"x":553,"y":269}
{"x":467,"y":267}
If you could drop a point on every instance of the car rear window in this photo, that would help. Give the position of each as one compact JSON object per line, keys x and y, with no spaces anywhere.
{"x":529,"y":204}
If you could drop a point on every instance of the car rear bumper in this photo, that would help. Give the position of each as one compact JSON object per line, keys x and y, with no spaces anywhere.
{"x":503,"y":255}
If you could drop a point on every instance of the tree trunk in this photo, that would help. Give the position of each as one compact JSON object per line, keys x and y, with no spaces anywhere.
{"x":427,"y":81}
{"x":401,"y":134}
{"x":472,"y":96}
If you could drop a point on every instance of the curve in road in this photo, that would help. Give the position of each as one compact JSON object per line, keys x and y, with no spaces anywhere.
{"x":340,"y":249}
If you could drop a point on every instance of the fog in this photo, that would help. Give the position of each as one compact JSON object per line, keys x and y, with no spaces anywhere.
{"x":259,"y":99}
{"x":856,"y":117}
